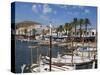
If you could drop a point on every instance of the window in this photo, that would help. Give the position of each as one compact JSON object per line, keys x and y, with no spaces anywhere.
{"x":87,"y":33}
{"x":77,"y":33}
{"x":92,"y":33}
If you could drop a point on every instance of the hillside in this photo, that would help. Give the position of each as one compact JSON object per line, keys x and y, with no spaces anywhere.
{"x":26,"y":24}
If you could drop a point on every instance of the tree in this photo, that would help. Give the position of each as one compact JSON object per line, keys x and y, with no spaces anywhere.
{"x":81,"y":22}
{"x":60,"y":28}
{"x":75,"y":23}
{"x":34,"y":33}
{"x":87,"y":22}
{"x":68,"y":27}
{"x":25,"y":31}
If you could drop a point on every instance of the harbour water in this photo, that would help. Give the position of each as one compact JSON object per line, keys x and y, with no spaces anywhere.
{"x":23,"y":55}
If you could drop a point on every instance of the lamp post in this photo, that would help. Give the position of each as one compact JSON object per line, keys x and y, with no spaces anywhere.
{"x":50,"y":47}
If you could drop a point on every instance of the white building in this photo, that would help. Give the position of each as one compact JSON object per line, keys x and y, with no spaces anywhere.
{"x":90,"y":33}
{"x":20,"y":31}
{"x":27,"y":30}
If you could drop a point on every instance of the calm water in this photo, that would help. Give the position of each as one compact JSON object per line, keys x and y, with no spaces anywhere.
{"x":22,"y":53}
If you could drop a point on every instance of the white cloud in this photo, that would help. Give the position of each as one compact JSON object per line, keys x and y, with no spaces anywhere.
{"x":46,"y":9}
{"x":42,"y":8}
{"x":86,"y":11}
{"x":78,"y":7}
{"x":73,"y":13}
{"x":34,"y":8}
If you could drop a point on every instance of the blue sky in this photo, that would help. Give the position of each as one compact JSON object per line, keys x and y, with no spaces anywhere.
{"x":58,"y":14}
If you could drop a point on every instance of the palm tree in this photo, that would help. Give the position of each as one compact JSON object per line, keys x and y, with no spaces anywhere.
{"x":25,"y":31}
{"x":81,"y":22}
{"x":75,"y":23}
{"x":60,"y":28}
{"x":87,"y":22}
{"x":34,"y":33}
{"x":68,"y":27}
{"x":44,"y":32}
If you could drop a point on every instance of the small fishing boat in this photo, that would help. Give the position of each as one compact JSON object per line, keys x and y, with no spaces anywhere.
{"x":43,"y":66}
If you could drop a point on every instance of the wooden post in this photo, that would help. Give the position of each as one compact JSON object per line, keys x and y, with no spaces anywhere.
{"x":83,"y":44}
{"x":37,"y":56}
{"x":72,"y":57}
{"x":50,"y":47}
{"x":50,"y":61}
{"x":72,"y":50}
{"x":31,"y":57}
{"x":93,"y":65}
